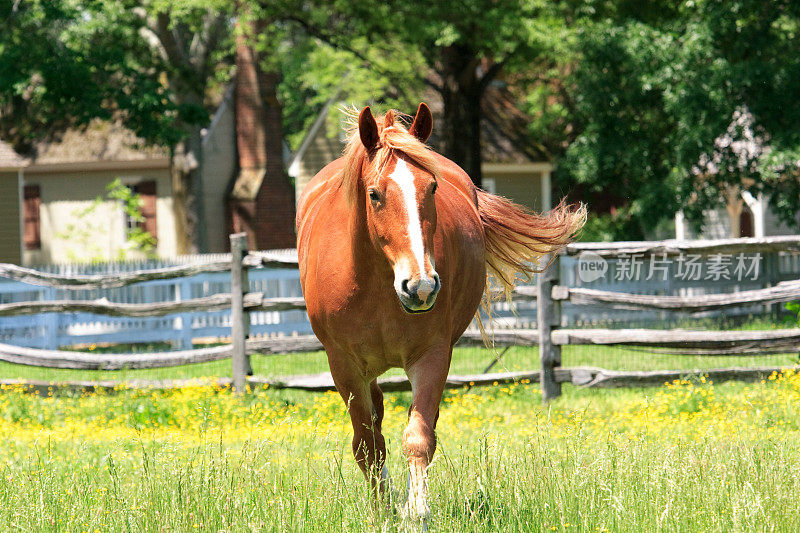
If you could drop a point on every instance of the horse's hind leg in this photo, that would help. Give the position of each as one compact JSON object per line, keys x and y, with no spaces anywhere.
{"x":377,"y":401}
{"x":369,"y":446}
{"x":366,"y":415}
{"x":428,"y":377}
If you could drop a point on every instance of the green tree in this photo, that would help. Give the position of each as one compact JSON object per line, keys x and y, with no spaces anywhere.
{"x":463,"y":47}
{"x":653,"y":91}
{"x":314,"y":72}
{"x":47,"y":80}
{"x":156,"y":65}
{"x":190,"y":45}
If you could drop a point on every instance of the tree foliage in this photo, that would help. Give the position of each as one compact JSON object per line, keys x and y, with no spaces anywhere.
{"x":154,"y":65}
{"x":46,"y":77}
{"x":653,"y":93}
{"x":625,"y":96}
{"x":315,"y":73}
{"x":454,"y":48}
{"x":64,"y":63}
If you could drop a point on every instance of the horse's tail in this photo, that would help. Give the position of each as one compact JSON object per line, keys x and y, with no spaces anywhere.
{"x":516,"y":238}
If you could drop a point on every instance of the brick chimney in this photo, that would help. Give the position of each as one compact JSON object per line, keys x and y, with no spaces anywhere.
{"x":262,"y":200}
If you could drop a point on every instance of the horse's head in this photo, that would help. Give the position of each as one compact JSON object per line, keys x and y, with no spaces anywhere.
{"x":400,"y":203}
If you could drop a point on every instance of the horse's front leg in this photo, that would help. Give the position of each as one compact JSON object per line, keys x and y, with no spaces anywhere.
{"x":428,"y":376}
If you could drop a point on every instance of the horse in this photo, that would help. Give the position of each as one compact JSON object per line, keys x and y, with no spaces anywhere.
{"x":397,"y":249}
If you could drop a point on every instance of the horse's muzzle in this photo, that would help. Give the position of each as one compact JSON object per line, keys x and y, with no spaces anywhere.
{"x":418,"y":295}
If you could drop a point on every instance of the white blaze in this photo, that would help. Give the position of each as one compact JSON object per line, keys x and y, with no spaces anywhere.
{"x":404,"y":179}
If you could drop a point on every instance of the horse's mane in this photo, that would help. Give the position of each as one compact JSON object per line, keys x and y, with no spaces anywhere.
{"x":394,"y":140}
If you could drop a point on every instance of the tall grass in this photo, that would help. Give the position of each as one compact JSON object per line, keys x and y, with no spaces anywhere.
{"x":686,"y":457}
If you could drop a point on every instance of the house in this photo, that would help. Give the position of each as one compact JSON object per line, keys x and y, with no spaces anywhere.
{"x":743,"y":214}
{"x":511,"y":166}
{"x":50,"y":213}
{"x":11,"y":198}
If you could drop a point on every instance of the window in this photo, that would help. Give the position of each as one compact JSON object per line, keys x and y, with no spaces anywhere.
{"x":147,"y":192}
{"x":746,"y":222}
{"x":32,"y":200}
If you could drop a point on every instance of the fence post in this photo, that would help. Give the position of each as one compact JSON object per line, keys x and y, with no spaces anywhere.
{"x":772,"y":268}
{"x":549,"y":318}
{"x":240,"y":321}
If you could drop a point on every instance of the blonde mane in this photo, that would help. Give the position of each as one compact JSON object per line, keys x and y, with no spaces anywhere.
{"x":394,"y":140}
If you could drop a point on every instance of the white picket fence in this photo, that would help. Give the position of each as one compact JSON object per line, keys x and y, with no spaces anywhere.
{"x":52,"y":330}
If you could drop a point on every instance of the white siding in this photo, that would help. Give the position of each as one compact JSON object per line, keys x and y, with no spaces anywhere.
{"x":10,"y":236}
{"x":218,"y":167}
{"x":774,"y":226}
{"x":68,"y":236}
{"x":717,"y":224}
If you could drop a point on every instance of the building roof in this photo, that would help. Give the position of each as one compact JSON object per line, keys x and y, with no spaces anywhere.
{"x":319,"y":123}
{"x":504,"y":138}
{"x":99,"y":141}
{"x":9,"y":158}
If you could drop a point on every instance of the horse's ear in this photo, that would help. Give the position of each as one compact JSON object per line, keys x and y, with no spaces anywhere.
{"x":368,"y":129}
{"x":423,"y":123}
{"x":388,"y":119}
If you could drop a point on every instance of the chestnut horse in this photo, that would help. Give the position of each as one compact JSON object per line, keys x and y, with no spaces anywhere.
{"x":396,"y":249}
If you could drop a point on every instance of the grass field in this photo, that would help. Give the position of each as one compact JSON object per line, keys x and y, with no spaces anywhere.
{"x":684,"y":457}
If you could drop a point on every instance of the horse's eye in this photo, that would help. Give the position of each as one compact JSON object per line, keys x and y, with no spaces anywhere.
{"x":374,"y":196}
{"x":433,"y":187}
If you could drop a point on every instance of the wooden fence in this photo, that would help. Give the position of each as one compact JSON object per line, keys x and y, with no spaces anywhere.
{"x":64,"y":317}
{"x":676,"y":341}
{"x":240,"y":302}
{"x":550,"y":336}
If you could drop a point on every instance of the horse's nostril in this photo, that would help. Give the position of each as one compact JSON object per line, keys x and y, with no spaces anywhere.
{"x":404,"y":286}
{"x":437,"y":284}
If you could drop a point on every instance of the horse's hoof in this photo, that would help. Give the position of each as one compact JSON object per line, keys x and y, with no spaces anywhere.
{"x":416,"y":515}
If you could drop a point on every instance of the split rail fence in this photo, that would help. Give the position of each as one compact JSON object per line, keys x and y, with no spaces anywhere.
{"x":550,"y":337}
{"x":675,"y":341}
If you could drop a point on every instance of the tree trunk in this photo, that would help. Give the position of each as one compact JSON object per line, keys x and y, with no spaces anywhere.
{"x":187,"y":194}
{"x":461,"y":94}
{"x":734,"y":205}
{"x":187,"y":186}
{"x":195,"y":206}
{"x":180,"y":195}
